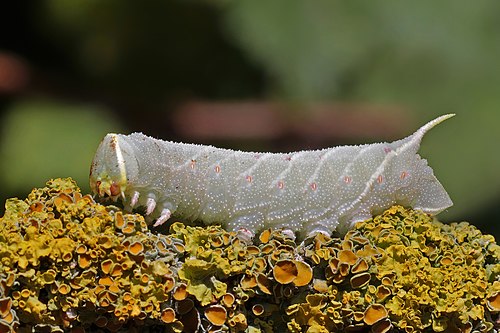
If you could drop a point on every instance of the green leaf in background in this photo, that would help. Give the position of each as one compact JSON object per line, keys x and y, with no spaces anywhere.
{"x":43,"y":139}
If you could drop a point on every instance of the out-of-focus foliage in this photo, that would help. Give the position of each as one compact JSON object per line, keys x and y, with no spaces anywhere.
{"x":382,"y":48}
{"x":40,"y":139}
{"x":71,"y":264}
{"x":158,"y":51}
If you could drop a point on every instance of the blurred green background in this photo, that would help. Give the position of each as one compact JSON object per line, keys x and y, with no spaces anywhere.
{"x":293,"y":74}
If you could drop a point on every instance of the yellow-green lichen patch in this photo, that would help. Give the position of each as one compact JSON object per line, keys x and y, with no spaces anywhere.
{"x":439,"y":272}
{"x":246,"y":284}
{"x":402,"y":271}
{"x":68,"y":264}
{"x":74,"y":268}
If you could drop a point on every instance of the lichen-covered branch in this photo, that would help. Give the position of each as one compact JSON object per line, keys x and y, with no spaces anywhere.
{"x":70,"y":264}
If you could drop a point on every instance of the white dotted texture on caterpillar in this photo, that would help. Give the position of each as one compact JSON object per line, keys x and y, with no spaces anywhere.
{"x":305,"y":191}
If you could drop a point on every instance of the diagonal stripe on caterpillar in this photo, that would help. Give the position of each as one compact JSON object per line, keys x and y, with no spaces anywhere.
{"x":306,"y":191}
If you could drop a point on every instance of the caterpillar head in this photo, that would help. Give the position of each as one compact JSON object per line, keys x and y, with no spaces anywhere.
{"x":114,"y":165}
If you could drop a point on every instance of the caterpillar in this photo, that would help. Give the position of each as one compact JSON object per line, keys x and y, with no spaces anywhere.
{"x":306,"y":192}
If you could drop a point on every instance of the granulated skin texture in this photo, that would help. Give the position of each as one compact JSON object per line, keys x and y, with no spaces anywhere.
{"x":305,"y":191}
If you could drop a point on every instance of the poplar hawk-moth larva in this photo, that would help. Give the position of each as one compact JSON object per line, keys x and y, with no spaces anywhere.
{"x":305,"y":191}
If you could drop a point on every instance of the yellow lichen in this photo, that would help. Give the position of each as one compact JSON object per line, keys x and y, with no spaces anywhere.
{"x":374,"y":313}
{"x":285,"y":271}
{"x":168,"y":315}
{"x":216,"y":314}
{"x":71,"y":255}
{"x":70,"y":264}
{"x":406,"y":271}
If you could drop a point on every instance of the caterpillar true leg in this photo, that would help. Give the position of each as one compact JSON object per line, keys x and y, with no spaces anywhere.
{"x":164,"y":216}
{"x":134,"y":199}
{"x":150,"y":206}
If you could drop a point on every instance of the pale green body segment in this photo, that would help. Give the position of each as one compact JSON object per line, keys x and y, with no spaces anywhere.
{"x":305,"y":191}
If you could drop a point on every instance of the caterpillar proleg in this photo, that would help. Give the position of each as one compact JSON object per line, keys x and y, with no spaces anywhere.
{"x":306,"y":191}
